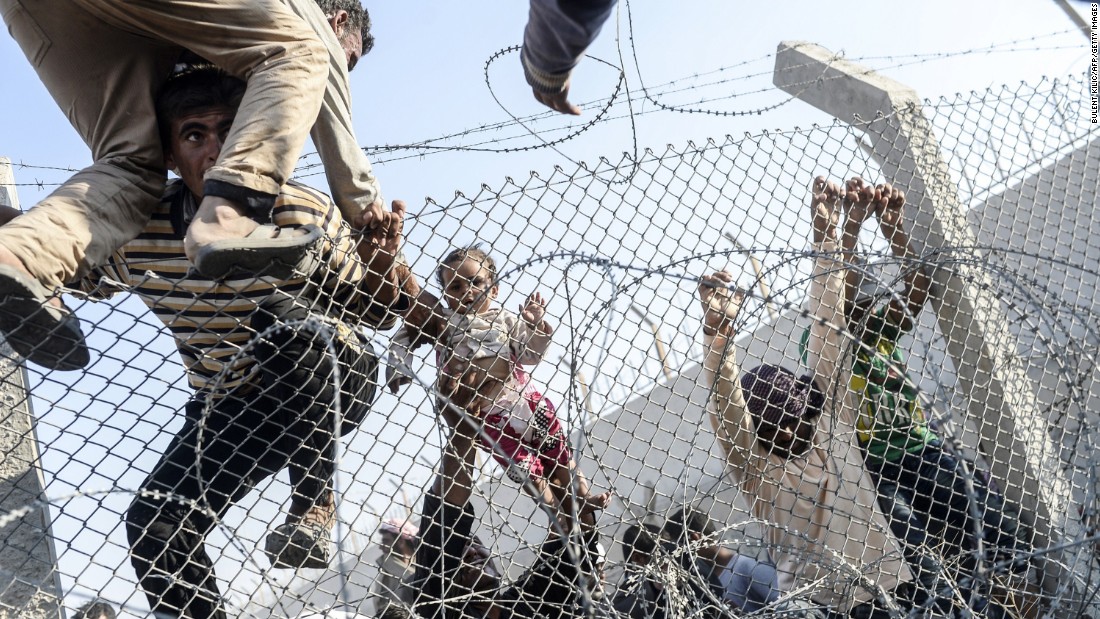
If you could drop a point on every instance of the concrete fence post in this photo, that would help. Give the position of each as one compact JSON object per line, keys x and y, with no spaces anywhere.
{"x":1003,"y":401}
{"x":30,"y":586}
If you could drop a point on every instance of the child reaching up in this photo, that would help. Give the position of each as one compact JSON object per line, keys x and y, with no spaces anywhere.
{"x":481,"y":349}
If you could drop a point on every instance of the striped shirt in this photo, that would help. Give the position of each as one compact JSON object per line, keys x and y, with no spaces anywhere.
{"x":211,"y":319}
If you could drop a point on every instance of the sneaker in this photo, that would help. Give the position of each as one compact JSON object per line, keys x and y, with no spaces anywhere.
{"x":303,"y":542}
{"x":47,"y":335}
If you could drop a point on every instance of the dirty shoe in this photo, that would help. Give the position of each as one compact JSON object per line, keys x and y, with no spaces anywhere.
{"x":47,"y":335}
{"x":303,"y":541}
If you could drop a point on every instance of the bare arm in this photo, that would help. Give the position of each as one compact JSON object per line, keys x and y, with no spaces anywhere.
{"x":727,"y":410}
{"x":826,"y":297}
{"x":917,"y":282}
{"x":388,"y":280}
{"x":858,"y":198}
{"x":533,"y":332}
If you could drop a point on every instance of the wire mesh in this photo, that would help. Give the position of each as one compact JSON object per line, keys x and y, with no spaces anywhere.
{"x":996,"y":517}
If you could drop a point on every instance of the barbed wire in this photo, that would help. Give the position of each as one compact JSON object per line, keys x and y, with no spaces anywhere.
{"x":427,"y":146}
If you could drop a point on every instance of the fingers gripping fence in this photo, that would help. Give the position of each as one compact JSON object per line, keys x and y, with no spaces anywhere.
{"x":928,"y":446}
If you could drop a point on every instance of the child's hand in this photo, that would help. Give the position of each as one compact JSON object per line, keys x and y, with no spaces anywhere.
{"x":720,"y":304}
{"x":824,"y":206}
{"x":890,"y":204}
{"x":534,"y":310}
{"x":858,"y":200}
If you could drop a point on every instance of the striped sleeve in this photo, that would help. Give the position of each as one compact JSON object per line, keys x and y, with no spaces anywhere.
{"x":103,"y":282}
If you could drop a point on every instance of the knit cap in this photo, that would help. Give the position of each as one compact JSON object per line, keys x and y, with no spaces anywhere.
{"x":775,"y":396}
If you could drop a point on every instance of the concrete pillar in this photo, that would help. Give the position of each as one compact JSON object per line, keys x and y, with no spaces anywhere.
{"x":30,"y":585}
{"x":1003,"y":401}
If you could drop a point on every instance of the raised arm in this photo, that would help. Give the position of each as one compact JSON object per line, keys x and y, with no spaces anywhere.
{"x":858,"y":204}
{"x":917,"y":283}
{"x":455,"y":482}
{"x":826,"y":298}
{"x":532,"y":332}
{"x":554,"y":41}
{"x":728,"y":413}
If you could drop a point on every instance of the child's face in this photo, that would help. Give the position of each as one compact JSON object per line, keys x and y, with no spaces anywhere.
{"x":469,"y":289}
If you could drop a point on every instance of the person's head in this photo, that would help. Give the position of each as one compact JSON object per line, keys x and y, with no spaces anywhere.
{"x":399,"y":537}
{"x":693,"y":530}
{"x":468,"y":278}
{"x":784,"y":409}
{"x":96,"y":609}
{"x":195,"y":111}
{"x":640,"y":543}
{"x":689,"y":525}
{"x":479,"y":572}
{"x":395,"y":611}
{"x":351,"y":23}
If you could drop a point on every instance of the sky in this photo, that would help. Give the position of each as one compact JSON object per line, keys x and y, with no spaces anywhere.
{"x":428,"y":77}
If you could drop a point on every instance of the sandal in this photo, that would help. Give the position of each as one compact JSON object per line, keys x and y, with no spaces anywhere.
{"x":47,"y":335}
{"x":269,"y":251}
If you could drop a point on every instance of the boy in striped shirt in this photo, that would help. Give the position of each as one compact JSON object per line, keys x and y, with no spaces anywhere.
{"x":256,"y":352}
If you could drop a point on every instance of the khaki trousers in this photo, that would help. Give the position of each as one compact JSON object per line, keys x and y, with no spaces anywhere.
{"x":103,"y":61}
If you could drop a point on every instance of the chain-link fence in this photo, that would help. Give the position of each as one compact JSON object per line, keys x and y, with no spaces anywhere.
{"x":913,"y":456}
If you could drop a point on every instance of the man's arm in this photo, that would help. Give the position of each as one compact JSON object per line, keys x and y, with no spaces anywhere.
{"x":455,"y":481}
{"x":728,"y":412}
{"x":557,"y":33}
{"x":858,"y":198}
{"x":354,"y":186}
{"x":446,"y":521}
{"x":917,"y":282}
{"x":826,"y":297}
{"x":388,"y":281}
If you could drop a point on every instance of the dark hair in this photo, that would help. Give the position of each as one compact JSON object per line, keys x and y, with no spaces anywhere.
{"x":640,"y":539}
{"x":193,"y":89}
{"x":458,"y":256}
{"x":96,"y":609}
{"x":358,"y":18}
{"x":689,"y":520}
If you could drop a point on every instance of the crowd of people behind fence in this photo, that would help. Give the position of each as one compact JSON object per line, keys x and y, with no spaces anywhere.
{"x":266,"y":286}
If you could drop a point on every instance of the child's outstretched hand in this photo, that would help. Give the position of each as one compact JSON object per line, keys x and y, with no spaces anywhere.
{"x":720,"y":304}
{"x":534,"y":310}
